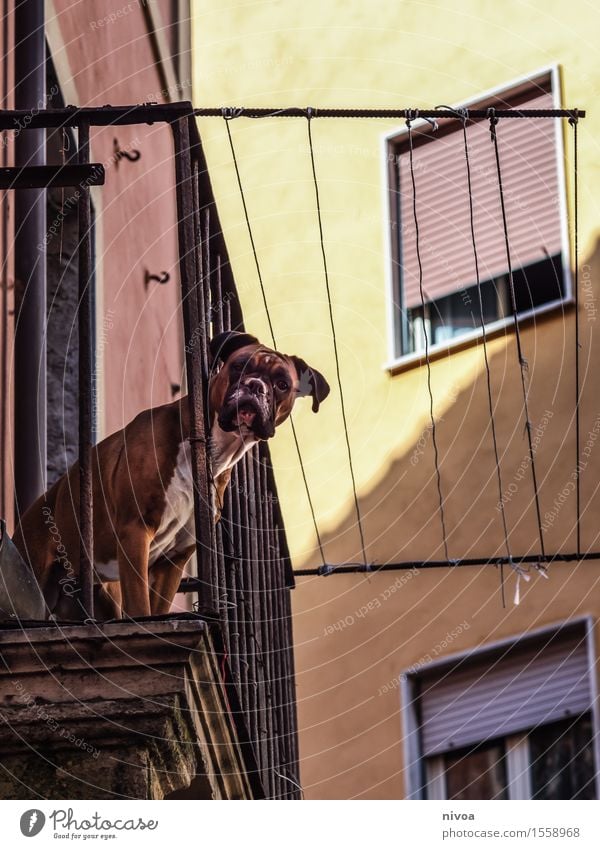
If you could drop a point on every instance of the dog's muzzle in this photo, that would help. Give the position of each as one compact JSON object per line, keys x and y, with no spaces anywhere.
{"x":248,"y":407}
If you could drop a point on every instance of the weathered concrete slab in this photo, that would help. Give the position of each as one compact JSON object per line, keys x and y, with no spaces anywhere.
{"x":116,"y":710}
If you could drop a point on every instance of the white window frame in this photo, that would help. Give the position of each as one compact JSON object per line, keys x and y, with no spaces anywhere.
{"x":389,"y":141}
{"x":429,"y":772}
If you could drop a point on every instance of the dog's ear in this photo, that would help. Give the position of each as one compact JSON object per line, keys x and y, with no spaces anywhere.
{"x":312,"y":383}
{"x":223,"y":345}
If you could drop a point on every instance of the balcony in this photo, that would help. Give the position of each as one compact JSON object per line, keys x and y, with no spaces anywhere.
{"x":190,"y":705}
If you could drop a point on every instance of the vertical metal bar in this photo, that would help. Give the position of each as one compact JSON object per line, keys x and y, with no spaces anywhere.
{"x":200,"y":337}
{"x":86,"y":381}
{"x":289,"y":753}
{"x":217,"y":322}
{"x":230,"y":558}
{"x":286,"y":707}
{"x":29,"y":264}
{"x":275,"y":647}
{"x":227,"y":318}
{"x":4,"y":285}
{"x":278,"y":649}
{"x":248,"y":611}
{"x":232,"y":590}
{"x":221,"y":585}
{"x":240,"y":587}
{"x":293,"y":758}
{"x":263,"y":618}
{"x":217,"y":239}
{"x":208,"y":601}
{"x":206,"y":269}
{"x":294,"y":764}
{"x":267,"y":618}
{"x":256,"y":566}
{"x":217,"y":298}
{"x":205,"y":319}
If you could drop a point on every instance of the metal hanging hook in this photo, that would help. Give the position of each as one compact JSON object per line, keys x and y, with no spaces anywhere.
{"x":230,"y":112}
{"x":460,"y":112}
{"x":66,"y":141}
{"x":119,"y":154}
{"x":161,"y":278}
{"x":413,"y":115}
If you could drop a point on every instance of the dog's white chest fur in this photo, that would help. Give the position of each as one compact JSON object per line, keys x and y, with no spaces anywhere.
{"x":176,"y":530}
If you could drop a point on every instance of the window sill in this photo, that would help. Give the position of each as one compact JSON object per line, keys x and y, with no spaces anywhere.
{"x":504,"y":327}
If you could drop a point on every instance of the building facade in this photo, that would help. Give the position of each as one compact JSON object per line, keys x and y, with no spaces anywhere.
{"x":157,"y":255}
{"x":420,"y":682}
{"x":96,"y":55}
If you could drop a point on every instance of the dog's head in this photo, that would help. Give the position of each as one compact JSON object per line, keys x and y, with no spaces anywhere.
{"x":255,"y":388}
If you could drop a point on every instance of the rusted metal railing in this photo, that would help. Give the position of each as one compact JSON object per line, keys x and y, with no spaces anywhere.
{"x":244,"y":569}
{"x":244,"y":572}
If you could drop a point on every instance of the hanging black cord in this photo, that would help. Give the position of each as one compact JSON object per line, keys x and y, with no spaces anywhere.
{"x":486,"y":358}
{"x":227,"y":118}
{"x":426,"y":336}
{"x":309,"y":116}
{"x":522,"y":361}
{"x":574,"y":121}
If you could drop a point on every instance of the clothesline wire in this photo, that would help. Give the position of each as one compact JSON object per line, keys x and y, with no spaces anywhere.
{"x":335,"y":346}
{"x":487,"y":362}
{"x":436,"y":458}
{"x":272,"y":332}
{"x":523,"y":365}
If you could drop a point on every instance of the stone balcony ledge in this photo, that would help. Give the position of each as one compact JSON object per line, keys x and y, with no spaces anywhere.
{"x":116,"y":710}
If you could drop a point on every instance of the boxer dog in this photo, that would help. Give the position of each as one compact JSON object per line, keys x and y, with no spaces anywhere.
{"x":142,"y":484}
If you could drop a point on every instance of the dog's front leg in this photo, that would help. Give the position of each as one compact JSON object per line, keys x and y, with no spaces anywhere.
{"x":108,"y":602}
{"x":218,"y":493}
{"x":134,"y":550}
{"x":165,"y":577}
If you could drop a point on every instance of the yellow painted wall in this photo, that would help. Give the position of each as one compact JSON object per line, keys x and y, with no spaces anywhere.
{"x":395,"y":54}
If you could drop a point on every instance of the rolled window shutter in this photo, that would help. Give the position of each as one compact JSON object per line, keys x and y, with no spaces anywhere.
{"x":485,"y":699}
{"x":528,"y":158}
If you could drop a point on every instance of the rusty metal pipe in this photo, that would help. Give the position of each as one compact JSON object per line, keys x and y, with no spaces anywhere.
{"x":30,"y":261}
{"x":86,"y":380}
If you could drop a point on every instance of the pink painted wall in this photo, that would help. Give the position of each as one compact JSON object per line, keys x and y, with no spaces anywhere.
{"x":139,"y":336}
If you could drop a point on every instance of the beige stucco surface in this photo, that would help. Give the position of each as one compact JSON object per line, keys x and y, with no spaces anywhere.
{"x":406,"y":54}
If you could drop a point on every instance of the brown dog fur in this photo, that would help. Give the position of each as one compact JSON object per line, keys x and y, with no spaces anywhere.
{"x":132,"y":471}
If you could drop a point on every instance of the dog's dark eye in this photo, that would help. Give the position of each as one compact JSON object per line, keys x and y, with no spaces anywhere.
{"x":283,"y":385}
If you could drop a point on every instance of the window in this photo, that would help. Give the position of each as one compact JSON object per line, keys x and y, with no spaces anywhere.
{"x":515,"y":721}
{"x":531,"y":158}
{"x":554,"y":761}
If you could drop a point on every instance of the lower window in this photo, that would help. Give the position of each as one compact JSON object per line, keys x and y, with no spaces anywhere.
{"x":554,"y":761}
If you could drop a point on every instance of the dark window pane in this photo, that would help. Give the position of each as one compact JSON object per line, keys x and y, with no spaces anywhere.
{"x":562,"y":760}
{"x":476,"y":774}
{"x":456,"y":314}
